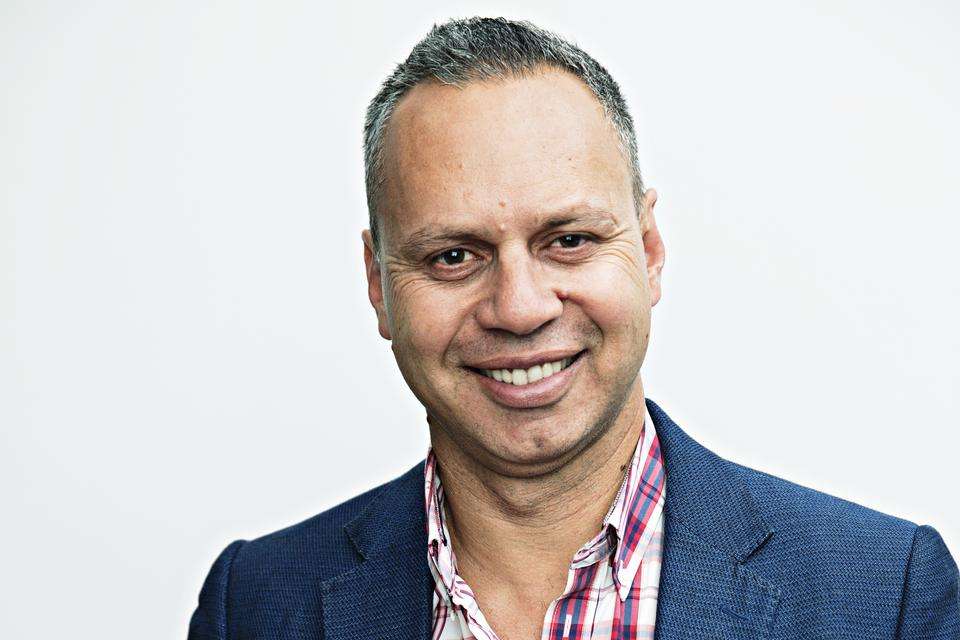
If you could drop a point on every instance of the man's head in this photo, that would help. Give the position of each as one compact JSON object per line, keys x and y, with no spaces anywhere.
{"x":509,"y":228}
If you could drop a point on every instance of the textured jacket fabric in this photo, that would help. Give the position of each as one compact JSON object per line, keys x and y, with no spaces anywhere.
{"x":746,"y":556}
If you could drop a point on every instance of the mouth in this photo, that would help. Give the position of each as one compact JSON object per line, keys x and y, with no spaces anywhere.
{"x":528,"y":375}
{"x":538,"y":385}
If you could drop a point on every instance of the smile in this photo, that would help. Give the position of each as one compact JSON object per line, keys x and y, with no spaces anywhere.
{"x":520,"y":377}
{"x":537,"y":384}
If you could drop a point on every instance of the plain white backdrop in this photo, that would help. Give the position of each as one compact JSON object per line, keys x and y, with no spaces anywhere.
{"x":187,"y":355}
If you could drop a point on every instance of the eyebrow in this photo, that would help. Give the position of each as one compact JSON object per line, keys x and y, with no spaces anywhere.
{"x":441,"y":234}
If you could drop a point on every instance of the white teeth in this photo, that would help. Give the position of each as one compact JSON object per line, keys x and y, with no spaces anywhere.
{"x":526,"y":376}
{"x":535,"y":372}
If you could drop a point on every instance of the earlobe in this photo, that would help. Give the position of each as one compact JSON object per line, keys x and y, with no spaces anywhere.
{"x":375,"y":284}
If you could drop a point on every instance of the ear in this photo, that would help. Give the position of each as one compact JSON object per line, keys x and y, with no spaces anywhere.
{"x":652,"y":245}
{"x":375,"y":283}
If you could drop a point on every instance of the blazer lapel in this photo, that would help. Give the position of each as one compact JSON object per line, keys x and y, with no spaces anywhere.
{"x":389,"y":594}
{"x":711,"y":528}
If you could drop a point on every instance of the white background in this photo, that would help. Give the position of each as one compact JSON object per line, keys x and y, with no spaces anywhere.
{"x":187,"y":355}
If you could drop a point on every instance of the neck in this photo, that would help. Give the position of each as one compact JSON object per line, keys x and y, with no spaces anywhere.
{"x":523,"y":531}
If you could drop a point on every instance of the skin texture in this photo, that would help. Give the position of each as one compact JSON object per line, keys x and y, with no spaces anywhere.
{"x":509,"y":229}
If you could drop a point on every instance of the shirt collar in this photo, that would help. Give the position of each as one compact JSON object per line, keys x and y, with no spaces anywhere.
{"x":625,"y":532}
{"x":638,"y":507}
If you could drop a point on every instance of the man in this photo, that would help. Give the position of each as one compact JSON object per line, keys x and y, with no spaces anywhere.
{"x":513,"y":259}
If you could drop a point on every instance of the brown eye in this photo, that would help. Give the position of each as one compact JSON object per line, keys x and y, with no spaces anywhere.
{"x":452,"y":257}
{"x":571,"y":240}
{"x":456,"y":263}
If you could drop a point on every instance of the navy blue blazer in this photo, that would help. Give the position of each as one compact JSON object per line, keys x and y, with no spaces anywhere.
{"x":746,"y":556}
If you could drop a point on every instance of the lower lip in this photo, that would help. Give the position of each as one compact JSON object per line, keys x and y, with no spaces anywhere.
{"x":543,"y":392}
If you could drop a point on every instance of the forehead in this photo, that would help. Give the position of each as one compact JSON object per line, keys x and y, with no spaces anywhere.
{"x":497,"y":151}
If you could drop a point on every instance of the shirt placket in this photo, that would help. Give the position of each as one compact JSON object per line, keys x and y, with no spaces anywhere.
{"x":572,"y":613}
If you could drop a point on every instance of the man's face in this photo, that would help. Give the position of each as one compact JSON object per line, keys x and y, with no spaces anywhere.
{"x":510,"y":240}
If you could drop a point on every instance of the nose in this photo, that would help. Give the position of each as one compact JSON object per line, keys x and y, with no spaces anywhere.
{"x":521,"y":299}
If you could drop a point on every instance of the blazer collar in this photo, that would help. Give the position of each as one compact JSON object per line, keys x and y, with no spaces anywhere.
{"x":712,"y":527}
{"x":389,"y":595}
{"x":706,"y":493}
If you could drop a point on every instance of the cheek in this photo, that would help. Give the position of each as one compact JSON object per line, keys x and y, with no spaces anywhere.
{"x":613,"y":284}
{"x":424,"y":318}
{"x":612,"y":292}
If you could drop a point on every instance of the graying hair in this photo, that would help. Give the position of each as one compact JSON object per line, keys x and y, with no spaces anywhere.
{"x":460,"y":51}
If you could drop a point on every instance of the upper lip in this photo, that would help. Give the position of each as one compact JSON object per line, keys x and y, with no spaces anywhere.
{"x":524,"y":361}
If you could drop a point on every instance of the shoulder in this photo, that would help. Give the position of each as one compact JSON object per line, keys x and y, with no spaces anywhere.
{"x":795,"y":514}
{"x":832,"y":550}
{"x":790,"y":506}
{"x":824,"y":544}
{"x":267,"y":586}
{"x":832,"y":563}
{"x":830,"y":535}
{"x":316,"y":548}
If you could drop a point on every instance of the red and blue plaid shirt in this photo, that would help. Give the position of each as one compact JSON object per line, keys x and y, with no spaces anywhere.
{"x":613,"y":579}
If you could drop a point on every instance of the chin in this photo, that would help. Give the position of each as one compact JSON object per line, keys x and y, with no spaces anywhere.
{"x":539,"y":450}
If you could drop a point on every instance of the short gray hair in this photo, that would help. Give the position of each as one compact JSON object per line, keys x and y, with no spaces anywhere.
{"x":472,"y":49}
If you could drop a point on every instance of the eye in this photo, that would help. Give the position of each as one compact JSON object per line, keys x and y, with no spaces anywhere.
{"x":455,"y":264}
{"x":571,"y":240}
{"x":452,"y":257}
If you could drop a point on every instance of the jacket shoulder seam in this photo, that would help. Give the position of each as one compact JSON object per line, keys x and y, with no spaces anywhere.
{"x":904,"y":588}
{"x":230,"y":554}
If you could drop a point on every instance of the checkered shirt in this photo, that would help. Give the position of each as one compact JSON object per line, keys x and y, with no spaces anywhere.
{"x":612,"y":582}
